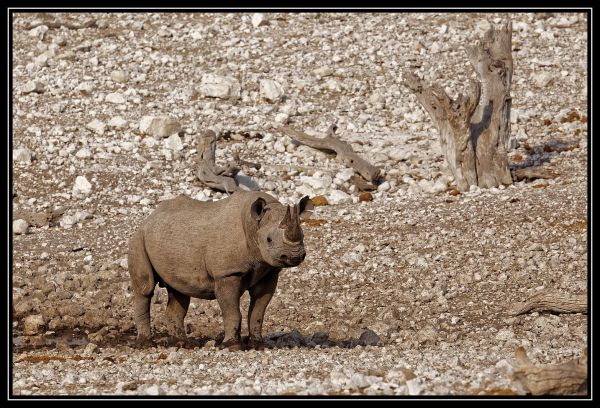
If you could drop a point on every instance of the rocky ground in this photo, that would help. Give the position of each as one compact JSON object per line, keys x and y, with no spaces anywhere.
{"x":404,"y":295}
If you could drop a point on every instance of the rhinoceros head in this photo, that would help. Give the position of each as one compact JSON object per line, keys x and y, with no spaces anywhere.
{"x":279,"y":236}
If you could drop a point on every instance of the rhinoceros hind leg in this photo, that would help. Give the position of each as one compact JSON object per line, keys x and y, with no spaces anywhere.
{"x":142,"y":282}
{"x":177,"y":308}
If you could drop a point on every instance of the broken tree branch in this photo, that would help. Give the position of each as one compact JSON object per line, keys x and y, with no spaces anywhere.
{"x":552,"y":301}
{"x":343,"y":151}
{"x":531,"y":173}
{"x":213,"y":176}
{"x":568,"y":378}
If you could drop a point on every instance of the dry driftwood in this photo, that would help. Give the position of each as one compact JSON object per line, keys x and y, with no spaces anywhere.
{"x":213,"y":176}
{"x":531,"y":173}
{"x":552,"y":301}
{"x":475,"y":128}
{"x":343,"y":151}
{"x":568,"y":378}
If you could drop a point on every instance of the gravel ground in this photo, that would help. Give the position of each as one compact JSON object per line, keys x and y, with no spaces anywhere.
{"x":421,"y":275}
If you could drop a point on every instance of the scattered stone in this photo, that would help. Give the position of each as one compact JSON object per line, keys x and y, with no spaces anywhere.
{"x":33,"y":86}
{"x":115,"y":98}
{"x":366,"y":196}
{"x":259,"y":19}
{"x":174,"y":143}
{"x":97,"y":126}
{"x":20,"y":227}
{"x":369,"y":338}
{"x":153,"y":390}
{"x":216,"y":86}
{"x":119,"y":76}
{"x":271,"y":90}
{"x":159,"y":126}
{"x":39,"y":32}
{"x":22,"y":155}
{"x":319,"y":200}
{"x":90,"y":349}
{"x":338,"y":197}
{"x":33,"y":325}
{"x":83,"y":153}
{"x":118,"y":122}
{"x":542,"y":79}
{"x":82,"y":186}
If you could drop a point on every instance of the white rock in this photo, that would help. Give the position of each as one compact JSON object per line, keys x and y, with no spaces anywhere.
{"x":33,"y":86}
{"x":344,"y":174}
{"x":385,"y":186}
{"x":20,"y":227}
{"x":159,"y":126}
{"x":22,"y":155}
{"x":115,"y":98}
{"x":119,"y":76}
{"x":400,"y":153}
{"x":505,"y":334}
{"x":282,"y":118}
{"x":542,"y":79}
{"x":259,"y":19}
{"x":33,"y":325}
{"x":67,"y":221}
{"x":85,"y":88}
{"x":414,"y":386}
{"x":97,"y":126}
{"x":83,"y":153}
{"x":271,"y":90}
{"x":82,"y":186}
{"x":41,"y":60}
{"x":39,"y":32}
{"x":174,"y":143}
{"x":216,"y":86}
{"x":317,"y":182}
{"x":279,"y":146}
{"x":153,"y":390}
{"x":338,"y":197}
{"x":118,"y":122}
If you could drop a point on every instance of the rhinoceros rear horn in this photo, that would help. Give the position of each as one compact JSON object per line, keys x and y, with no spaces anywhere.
{"x":292,"y":230}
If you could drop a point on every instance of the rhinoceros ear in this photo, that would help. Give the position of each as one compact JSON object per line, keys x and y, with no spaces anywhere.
{"x":258,"y":209}
{"x":305,"y":208}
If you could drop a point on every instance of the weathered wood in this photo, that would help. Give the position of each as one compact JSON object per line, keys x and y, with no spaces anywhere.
{"x":362,"y":184}
{"x":552,"y":301}
{"x":568,"y":378}
{"x":531,"y":173}
{"x":211,"y":175}
{"x":343,"y":151}
{"x":474,"y":129}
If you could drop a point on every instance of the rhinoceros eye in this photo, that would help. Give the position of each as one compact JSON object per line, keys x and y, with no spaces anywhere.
{"x":269,"y":239}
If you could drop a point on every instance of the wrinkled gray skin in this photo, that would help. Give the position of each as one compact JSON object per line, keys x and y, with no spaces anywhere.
{"x":211,"y":250}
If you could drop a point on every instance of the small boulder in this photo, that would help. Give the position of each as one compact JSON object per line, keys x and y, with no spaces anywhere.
{"x":20,"y":227}
{"x":369,"y":338}
{"x":271,"y":90}
{"x":82,"y":186}
{"x":215,"y":86}
{"x":159,"y":126}
{"x":22,"y":155}
{"x":33,"y":325}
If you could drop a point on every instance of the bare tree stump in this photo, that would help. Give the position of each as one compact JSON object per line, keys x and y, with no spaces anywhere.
{"x":475,"y":129}
{"x":218,"y":178}
{"x":552,"y":301}
{"x":343,"y":151}
{"x":569,"y":378}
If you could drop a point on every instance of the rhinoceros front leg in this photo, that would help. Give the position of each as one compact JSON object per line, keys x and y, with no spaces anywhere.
{"x":228,"y":292}
{"x":260,"y":296}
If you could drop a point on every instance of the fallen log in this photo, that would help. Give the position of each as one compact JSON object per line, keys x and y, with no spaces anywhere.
{"x":552,"y":301}
{"x":342,"y":150}
{"x":568,"y":378}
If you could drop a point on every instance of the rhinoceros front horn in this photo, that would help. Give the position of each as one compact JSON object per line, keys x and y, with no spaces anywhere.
{"x":291,"y":225}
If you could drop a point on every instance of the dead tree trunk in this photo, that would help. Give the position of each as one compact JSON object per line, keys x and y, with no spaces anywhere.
{"x":218,"y":178}
{"x":475,"y":129}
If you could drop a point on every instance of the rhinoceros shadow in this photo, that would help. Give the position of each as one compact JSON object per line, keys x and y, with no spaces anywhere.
{"x":279,"y":340}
